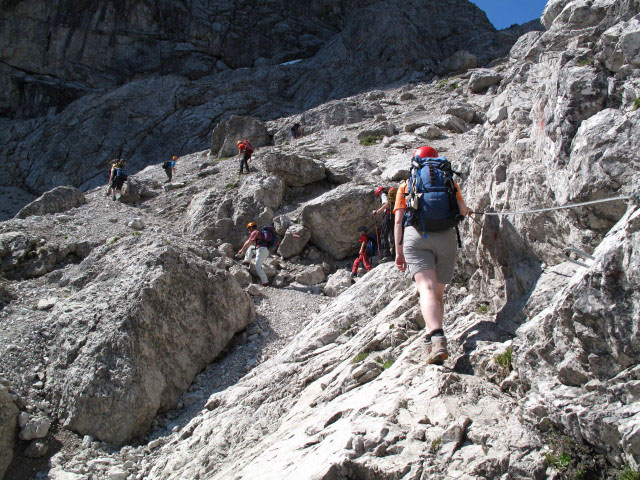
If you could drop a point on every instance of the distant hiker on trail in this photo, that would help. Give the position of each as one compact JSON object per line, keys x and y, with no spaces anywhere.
{"x":388,"y":198}
{"x":245,"y":152}
{"x":433,"y":206}
{"x":117,"y":178}
{"x":169,"y":167}
{"x":258,"y":245}
{"x":296,"y":131}
{"x":368,"y":249}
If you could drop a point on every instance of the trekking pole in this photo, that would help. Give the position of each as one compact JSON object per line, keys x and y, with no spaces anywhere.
{"x":377,"y":235}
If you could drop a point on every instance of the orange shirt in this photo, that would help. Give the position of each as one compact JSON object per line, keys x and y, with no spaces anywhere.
{"x":401,"y":196}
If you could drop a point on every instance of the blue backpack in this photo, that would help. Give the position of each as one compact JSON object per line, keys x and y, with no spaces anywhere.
{"x":120,"y":173}
{"x":269,"y":237}
{"x":371,"y":248}
{"x":431,"y":196}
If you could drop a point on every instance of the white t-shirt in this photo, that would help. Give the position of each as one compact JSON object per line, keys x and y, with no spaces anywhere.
{"x":384,"y":198}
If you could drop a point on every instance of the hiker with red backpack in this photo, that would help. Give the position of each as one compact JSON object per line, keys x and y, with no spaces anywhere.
{"x":258,"y":245}
{"x":388,"y":198}
{"x":368,"y":249}
{"x":428,"y":208}
{"x":245,"y":152}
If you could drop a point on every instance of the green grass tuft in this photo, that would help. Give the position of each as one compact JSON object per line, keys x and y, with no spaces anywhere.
{"x":483,"y":309}
{"x":435,"y":445}
{"x":232,"y":185}
{"x":586,"y":61}
{"x":369,"y":140}
{"x":560,"y":462}
{"x":636,"y":103}
{"x":628,"y":474}
{"x":505,"y":360}
{"x":360,"y":357}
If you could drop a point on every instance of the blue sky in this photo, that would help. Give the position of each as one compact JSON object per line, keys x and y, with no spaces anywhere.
{"x":504,"y":13}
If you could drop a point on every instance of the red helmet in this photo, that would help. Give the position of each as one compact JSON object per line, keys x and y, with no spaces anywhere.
{"x":379,"y":190}
{"x":426,"y":152}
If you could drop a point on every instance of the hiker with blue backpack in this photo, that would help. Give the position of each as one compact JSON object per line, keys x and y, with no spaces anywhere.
{"x":428,"y":208}
{"x":258,"y":245}
{"x":368,"y":249}
{"x":117,"y":177}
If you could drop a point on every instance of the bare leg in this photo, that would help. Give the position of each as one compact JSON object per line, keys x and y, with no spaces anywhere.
{"x":431,"y":298}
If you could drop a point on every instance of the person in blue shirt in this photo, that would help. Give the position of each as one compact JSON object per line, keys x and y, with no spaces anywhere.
{"x":170,"y":168}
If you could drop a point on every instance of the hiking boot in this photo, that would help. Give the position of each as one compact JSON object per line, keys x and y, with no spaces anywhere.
{"x":437,"y":352}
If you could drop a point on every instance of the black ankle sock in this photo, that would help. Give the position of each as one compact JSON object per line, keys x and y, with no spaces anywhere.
{"x":437,"y":333}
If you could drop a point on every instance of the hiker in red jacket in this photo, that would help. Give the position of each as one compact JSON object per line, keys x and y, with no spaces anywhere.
{"x":245,"y":152}
{"x":362,"y":256}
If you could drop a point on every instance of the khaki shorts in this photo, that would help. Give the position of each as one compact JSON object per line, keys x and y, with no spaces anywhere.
{"x":435,"y":252}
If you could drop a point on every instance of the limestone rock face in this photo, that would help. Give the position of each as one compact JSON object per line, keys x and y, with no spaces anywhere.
{"x":8,"y":423}
{"x":295,"y":170}
{"x":334,"y":218}
{"x":355,"y":414}
{"x":58,"y":200}
{"x":166,"y":76}
{"x":579,"y":356}
{"x":227,"y":134}
{"x":337,"y":283}
{"x":154,"y":321}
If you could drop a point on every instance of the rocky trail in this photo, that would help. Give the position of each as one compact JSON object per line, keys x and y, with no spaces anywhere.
{"x":135,"y":344}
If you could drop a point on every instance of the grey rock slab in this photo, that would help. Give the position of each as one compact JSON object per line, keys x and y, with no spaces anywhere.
{"x":8,"y":422}
{"x":58,"y":200}
{"x":226,"y":134}
{"x":296,"y":170}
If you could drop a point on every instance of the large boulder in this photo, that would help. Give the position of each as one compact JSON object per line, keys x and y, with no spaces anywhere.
{"x":58,"y":200}
{"x":334,"y":217}
{"x":226,"y":134}
{"x":345,"y":169}
{"x":294,"y":241}
{"x":224,"y":215}
{"x":295,"y":170}
{"x":147,"y":315}
{"x":483,"y":78}
{"x":8,"y":422}
{"x":578,"y":357}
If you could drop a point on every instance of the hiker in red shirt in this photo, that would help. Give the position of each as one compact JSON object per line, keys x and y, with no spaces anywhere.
{"x":362,"y":257}
{"x":246,"y":150}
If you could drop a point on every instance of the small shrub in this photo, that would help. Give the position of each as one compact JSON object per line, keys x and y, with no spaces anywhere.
{"x":232,"y":185}
{"x":628,"y":474}
{"x":453,"y":86}
{"x":369,"y":140}
{"x":113,"y":240}
{"x":483,"y":309}
{"x":360,"y":357}
{"x":387,"y":364}
{"x":586,"y":61}
{"x":636,"y":103}
{"x":560,"y":462}
{"x":435,"y":445}
{"x":505,"y":360}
